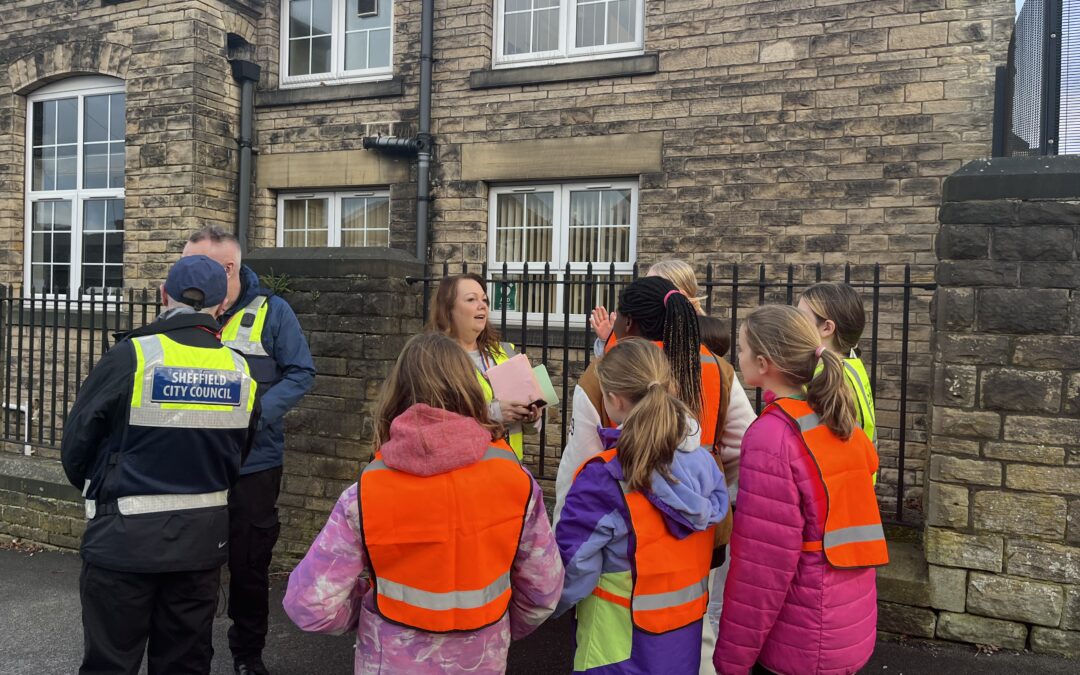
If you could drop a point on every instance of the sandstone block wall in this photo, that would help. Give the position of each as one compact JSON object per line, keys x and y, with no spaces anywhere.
{"x":1003,"y":494}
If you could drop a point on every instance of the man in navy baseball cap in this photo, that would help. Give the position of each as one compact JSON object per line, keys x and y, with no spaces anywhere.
{"x":198,"y":281}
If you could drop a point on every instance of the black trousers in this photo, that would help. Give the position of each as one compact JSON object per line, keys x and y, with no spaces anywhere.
{"x":253,"y":531}
{"x":121,"y":611}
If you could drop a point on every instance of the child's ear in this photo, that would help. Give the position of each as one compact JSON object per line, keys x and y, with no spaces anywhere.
{"x":828,"y":328}
{"x":762,"y":364}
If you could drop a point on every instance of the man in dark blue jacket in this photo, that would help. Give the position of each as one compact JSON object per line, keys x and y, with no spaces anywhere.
{"x":264,"y":328}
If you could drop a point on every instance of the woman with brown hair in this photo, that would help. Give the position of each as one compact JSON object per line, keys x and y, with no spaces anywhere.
{"x":460,"y":309}
{"x":442,"y":553}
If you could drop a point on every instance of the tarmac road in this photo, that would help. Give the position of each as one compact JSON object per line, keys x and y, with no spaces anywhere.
{"x":41,"y":633}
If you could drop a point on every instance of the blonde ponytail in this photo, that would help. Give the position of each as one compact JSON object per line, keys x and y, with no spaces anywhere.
{"x":651,"y":433}
{"x":830,"y":396}
{"x":786,"y":338}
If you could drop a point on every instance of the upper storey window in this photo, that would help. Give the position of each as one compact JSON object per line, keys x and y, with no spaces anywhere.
{"x":532,"y":32}
{"x":335,"y":40}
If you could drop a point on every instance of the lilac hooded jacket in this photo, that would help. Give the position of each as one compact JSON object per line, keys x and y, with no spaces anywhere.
{"x":784,"y":608}
{"x":330,"y":592}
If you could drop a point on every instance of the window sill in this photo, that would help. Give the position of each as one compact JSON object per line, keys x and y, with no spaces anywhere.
{"x":325,"y":93}
{"x":645,"y":64}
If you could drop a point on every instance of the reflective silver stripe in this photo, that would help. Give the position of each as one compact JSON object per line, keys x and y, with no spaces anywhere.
{"x":645,"y":603}
{"x":808,"y":422}
{"x":437,"y":602}
{"x":854,"y":534}
{"x":137,"y":504}
{"x":243,"y":341}
{"x":152,"y":414}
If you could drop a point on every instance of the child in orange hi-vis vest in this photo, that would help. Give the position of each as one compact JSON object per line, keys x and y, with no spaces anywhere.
{"x":442,"y":554}
{"x":640,"y":524}
{"x":800,"y":595}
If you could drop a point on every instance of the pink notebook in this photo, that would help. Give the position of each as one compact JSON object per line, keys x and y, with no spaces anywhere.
{"x":513,"y":380}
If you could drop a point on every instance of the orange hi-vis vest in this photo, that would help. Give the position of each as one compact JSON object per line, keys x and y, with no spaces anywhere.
{"x":713,"y":394}
{"x":441,"y":547}
{"x":853,"y":533}
{"x":671,"y":575}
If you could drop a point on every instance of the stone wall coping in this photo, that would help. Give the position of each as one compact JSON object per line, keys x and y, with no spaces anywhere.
{"x":326,"y":262}
{"x":626,"y":66}
{"x":36,"y":476}
{"x":1026,"y":178}
{"x":270,"y":98}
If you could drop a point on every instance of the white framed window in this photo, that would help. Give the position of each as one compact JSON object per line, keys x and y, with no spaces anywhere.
{"x":356,"y":218}
{"x":572,"y":229}
{"x":336,"y":41}
{"x":535,"y":32}
{"x":74,"y":220}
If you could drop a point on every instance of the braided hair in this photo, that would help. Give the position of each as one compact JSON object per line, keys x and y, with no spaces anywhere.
{"x":663,"y":313}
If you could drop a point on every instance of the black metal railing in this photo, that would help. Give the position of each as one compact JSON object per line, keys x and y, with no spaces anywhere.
{"x":557,"y":334}
{"x":1037,"y":97}
{"x":49,"y":346}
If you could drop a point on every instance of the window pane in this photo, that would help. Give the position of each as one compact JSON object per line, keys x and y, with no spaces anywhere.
{"x":516,"y":35}
{"x":590,"y":18}
{"x":322,"y":20}
{"x":93,"y":277}
{"x":365,"y":221}
{"x":114,"y":217}
{"x":96,"y":119}
{"x":66,"y":169}
{"x":114,"y":276}
{"x":320,"y":55}
{"x":599,"y":228}
{"x":299,"y":57}
{"x":546,"y":30}
{"x":93,"y":249}
{"x":379,"y":49}
{"x":603,"y":22}
{"x":356,"y":51}
{"x":40,"y":247}
{"x":299,"y":18}
{"x":355,"y":22}
{"x":114,"y":247}
{"x":116,"y":165}
{"x":67,"y":120}
{"x":622,"y":27}
{"x":44,"y":169}
{"x":524,"y":228}
{"x":44,"y":123}
{"x":305,"y":222}
{"x":517,"y":5}
{"x":94,"y":215}
{"x":117,"y":119}
{"x":95,"y":165}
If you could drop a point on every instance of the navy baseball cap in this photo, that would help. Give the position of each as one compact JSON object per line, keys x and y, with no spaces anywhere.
{"x":197,"y":273}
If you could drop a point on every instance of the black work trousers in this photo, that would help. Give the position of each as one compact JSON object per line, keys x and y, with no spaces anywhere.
{"x":253,"y":531}
{"x":122,"y":611}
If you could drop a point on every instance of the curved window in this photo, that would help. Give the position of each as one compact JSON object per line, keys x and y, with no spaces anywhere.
{"x":75,"y":187}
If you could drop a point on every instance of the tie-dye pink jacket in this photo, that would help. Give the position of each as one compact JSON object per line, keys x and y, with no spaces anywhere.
{"x":329,"y":590}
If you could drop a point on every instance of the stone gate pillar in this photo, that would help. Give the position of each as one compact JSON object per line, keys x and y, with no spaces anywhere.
{"x":1003,"y":490}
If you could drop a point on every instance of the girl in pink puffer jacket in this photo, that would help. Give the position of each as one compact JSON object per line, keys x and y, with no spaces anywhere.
{"x":786,"y":609}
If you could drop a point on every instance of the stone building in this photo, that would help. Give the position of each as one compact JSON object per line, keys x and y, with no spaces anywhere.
{"x":610,"y":132}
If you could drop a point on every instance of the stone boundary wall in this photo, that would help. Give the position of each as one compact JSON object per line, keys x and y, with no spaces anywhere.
{"x":1003,"y":492}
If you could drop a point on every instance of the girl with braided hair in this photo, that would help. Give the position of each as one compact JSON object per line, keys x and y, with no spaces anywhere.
{"x":653,"y":308}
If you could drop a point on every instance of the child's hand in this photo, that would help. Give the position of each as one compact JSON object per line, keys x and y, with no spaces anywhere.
{"x":602,"y":322}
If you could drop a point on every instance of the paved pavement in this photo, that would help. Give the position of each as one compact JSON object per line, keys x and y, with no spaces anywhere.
{"x":40,"y":633}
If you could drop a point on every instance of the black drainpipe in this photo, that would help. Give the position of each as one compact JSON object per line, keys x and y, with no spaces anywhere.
{"x":423,"y":135}
{"x":247,"y":74}
{"x":420,"y":145}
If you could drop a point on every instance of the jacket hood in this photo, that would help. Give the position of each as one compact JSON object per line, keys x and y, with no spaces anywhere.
{"x":698,"y":497}
{"x":426,"y":441}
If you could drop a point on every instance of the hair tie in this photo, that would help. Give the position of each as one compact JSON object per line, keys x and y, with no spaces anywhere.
{"x":819,"y":351}
{"x":654,"y":383}
{"x":669,"y":294}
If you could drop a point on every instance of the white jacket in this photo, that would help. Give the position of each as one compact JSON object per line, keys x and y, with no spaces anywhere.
{"x":583,"y":441}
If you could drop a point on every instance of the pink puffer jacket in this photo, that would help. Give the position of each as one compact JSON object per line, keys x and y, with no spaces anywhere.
{"x":783,"y":608}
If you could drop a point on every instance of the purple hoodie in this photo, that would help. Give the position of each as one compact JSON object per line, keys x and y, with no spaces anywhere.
{"x":330,"y":592}
{"x":595,"y":539}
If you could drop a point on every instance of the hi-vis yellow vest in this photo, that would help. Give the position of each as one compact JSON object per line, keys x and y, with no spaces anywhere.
{"x":244,"y":330}
{"x":504,"y":352}
{"x":856,"y":375}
